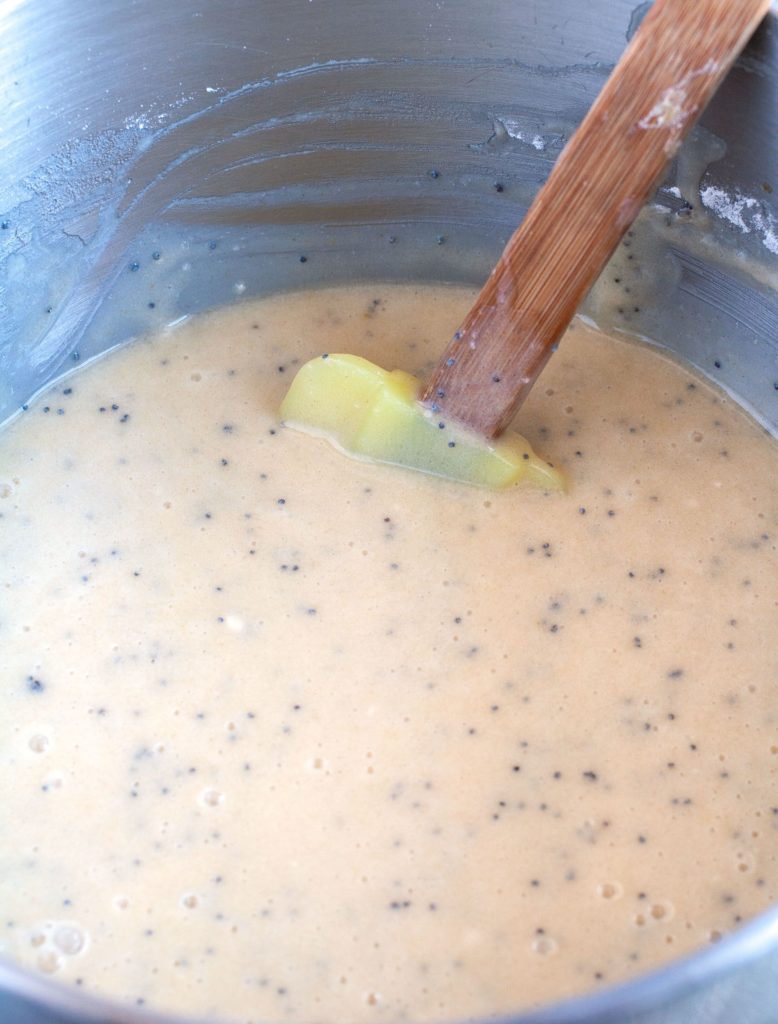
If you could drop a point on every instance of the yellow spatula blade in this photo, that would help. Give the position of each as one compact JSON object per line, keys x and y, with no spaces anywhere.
{"x":375,"y":414}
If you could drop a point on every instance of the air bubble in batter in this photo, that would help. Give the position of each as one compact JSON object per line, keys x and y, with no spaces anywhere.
{"x":69,"y":939}
{"x":49,"y":962}
{"x":211,"y":797}
{"x":610,"y":890}
{"x":544,"y":945}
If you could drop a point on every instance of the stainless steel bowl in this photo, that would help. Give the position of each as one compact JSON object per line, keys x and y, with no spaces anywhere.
{"x":160,"y":157}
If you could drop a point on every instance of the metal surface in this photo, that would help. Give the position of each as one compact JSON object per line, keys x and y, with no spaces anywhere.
{"x":159,"y":157}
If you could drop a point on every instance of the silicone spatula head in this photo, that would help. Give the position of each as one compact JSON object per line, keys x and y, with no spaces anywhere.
{"x":597,"y":187}
{"x":376,"y":414}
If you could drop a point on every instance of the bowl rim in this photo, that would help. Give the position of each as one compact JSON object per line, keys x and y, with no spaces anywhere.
{"x":639,"y":995}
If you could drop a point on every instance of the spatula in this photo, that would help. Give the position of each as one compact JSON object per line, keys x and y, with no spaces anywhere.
{"x":597,"y":187}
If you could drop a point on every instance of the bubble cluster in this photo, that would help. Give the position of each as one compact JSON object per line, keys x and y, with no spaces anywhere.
{"x":661,"y":911}
{"x":56,"y":941}
{"x":745,"y":862}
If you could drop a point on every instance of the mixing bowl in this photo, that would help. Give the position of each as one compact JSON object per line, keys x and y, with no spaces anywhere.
{"x":162,"y":157}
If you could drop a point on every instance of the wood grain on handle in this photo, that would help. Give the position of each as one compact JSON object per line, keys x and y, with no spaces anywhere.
{"x":596,"y":189}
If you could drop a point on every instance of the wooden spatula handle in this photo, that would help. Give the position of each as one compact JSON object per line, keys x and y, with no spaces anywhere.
{"x":596,"y":189}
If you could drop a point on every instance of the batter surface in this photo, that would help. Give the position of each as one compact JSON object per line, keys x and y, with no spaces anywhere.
{"x":286,"y":736}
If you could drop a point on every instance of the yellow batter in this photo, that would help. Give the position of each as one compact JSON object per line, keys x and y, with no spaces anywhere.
{"x":290,"y":737}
